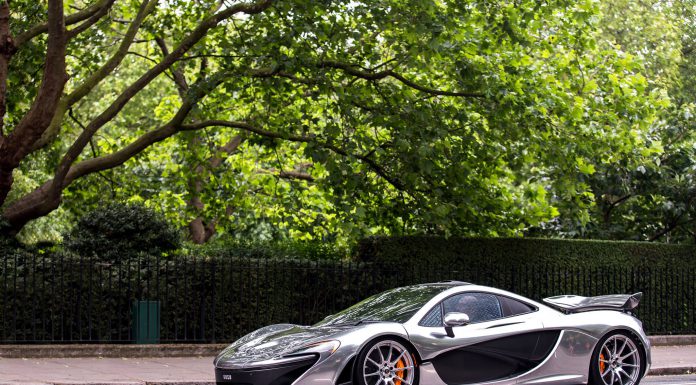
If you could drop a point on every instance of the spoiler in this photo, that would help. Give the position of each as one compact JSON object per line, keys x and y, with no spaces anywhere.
{"x":576,"y":304}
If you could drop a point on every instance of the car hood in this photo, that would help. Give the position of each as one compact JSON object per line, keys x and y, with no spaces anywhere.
{"x":273,"y":342}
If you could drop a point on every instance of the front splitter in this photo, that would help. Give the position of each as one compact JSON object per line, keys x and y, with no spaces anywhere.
{"x":279,"y":374}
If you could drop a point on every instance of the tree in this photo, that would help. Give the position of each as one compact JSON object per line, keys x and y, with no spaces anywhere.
{"x":447,"y":117}
{"x":43,"y":118}
{"x":652,"y":199}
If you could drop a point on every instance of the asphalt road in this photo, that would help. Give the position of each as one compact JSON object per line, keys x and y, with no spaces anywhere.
{"x":689,"y":379}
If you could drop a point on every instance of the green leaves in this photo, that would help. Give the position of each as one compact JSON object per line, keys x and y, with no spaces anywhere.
{"x":357,"y":99}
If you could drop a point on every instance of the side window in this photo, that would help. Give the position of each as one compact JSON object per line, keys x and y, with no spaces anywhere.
{"x":433,"y":318}
{"x":513,"y":307}
{"x":479,"y":307}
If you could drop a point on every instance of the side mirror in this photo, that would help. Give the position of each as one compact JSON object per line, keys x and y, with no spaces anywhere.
{"x":454,"y":319}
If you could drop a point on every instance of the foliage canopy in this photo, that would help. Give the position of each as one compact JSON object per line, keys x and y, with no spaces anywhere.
{"x":333,"y":119}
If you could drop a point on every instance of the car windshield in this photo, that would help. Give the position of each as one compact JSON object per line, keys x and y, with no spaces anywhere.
{"x":396,"y":305}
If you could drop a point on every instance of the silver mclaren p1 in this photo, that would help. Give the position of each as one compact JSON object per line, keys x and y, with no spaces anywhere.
{"x":450,"y":333}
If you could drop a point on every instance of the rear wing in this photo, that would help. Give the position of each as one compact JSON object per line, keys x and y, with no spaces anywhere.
{"x":576,"y":304}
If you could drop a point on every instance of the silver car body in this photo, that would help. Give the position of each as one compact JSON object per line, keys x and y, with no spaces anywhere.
{"x":567,"y":363}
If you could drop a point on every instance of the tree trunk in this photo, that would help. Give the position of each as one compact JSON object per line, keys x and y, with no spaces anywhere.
{"x":31,"y":206}
{"x":7,"y":49}
{"x":15,"y":146}
{"x":201,"y":231}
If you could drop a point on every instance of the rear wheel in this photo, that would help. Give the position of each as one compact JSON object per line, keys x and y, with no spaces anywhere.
{"x":385,"y":362}
{"x":617,"y":360}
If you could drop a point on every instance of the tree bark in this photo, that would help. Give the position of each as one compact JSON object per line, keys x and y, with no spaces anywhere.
{"x":69,"y":20}
{"x":611,"y":205}
{"x":15,"y":146}
{"x":7,"y":50}
{"x":36,"y":204}
{"x":199,"y":232}
{"x":47,"y":197}
{"x":200,"y":228}
{"x":95,"y":78}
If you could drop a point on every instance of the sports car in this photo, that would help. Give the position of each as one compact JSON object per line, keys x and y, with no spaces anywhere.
{"x":449,"y":333}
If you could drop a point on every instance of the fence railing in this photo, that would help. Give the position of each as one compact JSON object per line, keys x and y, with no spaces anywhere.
{"x":58,"y":299}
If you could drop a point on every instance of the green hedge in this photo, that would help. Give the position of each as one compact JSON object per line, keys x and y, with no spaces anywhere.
{"x":287,"y":249}
{"x":414,"y":250}
{"x":221,"y":294}
{"x":58,"y":298}
{"x":538,"y":268}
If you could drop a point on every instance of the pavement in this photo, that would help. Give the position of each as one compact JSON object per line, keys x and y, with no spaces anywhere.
{"x":117,"y":371}
{"x":684,"y":379}
{"x":667,"y":360}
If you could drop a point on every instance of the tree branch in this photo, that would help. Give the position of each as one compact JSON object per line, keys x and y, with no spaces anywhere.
{"x":47,"y":197}
{"x":187,"y":43}
{"x":177,"y":75}
{"x":18,"y":144}
{"x":612,"y":205}
{"x":199,"y":56}
{"x":200,"y":231}
{"x":369,"y":75}
{"x":69,"y":20}
{"x":228,"y":148}
{"x":7,"y":50}
{"x":96,"y":77}
{"x":93,"y":19}
{"x":666,"y":230}
{"x":174,"y":126}
{"x":377,"y":168}
{"x":292,"y":174}
{"x":121,"y":156}
{"x":246,"y":127}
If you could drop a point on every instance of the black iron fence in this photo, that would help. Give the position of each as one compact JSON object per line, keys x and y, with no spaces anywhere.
{"x":59,"y":299}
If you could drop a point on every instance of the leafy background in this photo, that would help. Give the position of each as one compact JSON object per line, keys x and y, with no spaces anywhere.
{"x":578,"y":124}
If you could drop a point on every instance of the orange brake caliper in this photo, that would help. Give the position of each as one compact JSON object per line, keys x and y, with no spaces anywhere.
{"x":602,"y":364}
{"x":399,"y":373}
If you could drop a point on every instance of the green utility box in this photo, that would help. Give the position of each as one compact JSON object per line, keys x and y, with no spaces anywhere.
{"x":146,"y":322}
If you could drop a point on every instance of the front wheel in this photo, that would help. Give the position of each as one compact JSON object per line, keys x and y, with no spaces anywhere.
{"x":385,"y":362}
{"x":617,"y":360}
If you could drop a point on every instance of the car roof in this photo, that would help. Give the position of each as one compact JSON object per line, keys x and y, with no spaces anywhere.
{"x":455,"y":287}
{"x":448,"y":284}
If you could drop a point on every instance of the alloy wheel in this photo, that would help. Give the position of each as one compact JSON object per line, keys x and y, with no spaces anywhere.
{"x":388,"y":363}
{"x":619,"y":361}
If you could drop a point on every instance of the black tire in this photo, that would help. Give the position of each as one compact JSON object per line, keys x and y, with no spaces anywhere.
{"x":365,"y":363}
{"x":611,"y":355}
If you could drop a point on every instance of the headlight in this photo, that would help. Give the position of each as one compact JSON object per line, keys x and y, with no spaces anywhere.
{"x":329,"y":347}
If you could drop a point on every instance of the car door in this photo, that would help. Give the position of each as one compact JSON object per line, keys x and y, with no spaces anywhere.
{"x":504,"y":338}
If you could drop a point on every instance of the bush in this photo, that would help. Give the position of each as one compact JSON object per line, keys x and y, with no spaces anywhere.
{"x":286,"y":250}
{"x":10,"y":247}
{"x":8,"y":243}
{"x":122,"y":231}
{"x":481,"y":252}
